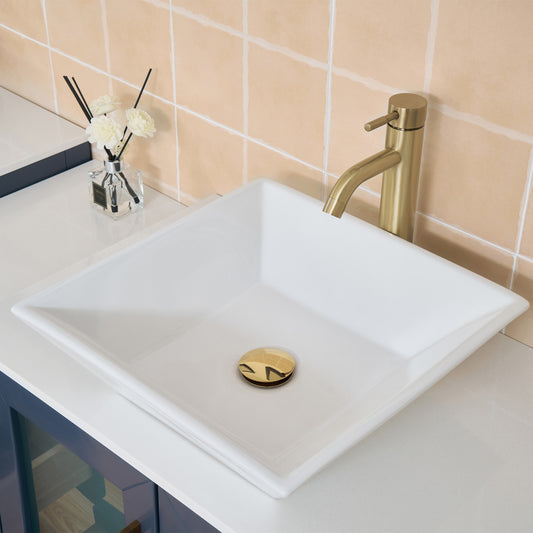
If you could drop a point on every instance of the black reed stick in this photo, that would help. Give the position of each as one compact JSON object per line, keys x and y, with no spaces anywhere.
{"x":142,"y":88}
{"x":127,"y":141}
{"x":78,"y":99}
{"x":82,"y":97}
{"x":133,"y":194}
{"x":86,"y":111}
{"x":137,"y":101}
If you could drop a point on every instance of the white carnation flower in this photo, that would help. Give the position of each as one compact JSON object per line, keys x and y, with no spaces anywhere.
{"x":140,"y":123}
{"x":104,"y":131}
{"x":104,"y":104}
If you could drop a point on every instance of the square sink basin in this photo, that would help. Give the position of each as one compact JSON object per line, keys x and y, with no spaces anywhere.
{"x":371,"y":321}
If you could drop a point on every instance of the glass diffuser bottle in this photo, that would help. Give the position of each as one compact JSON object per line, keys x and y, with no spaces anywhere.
{"x":116,"y":188}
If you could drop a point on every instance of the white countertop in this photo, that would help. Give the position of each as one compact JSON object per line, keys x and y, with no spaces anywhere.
{"x":30,"y":133}
{"x":459,"y":459}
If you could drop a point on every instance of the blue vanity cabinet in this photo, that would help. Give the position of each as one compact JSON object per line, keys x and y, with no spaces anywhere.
{"x":174,"y":517}
{"x":55,"y":478}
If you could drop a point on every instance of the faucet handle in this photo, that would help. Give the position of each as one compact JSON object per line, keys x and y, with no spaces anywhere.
{"x":381,"y":121}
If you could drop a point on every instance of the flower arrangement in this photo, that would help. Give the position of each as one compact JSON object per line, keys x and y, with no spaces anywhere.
{"x":111,"y":187}
{"x":105,"y":130}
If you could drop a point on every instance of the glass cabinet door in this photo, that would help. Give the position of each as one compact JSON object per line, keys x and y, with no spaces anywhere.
{"x":59,"y":479}
{"x":66,"y":495}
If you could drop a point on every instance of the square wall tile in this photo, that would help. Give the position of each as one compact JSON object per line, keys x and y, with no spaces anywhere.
{"x":92,"y":84}
{"x":464,"y":250}
{"x":25,"y":16}
{"x":287,"y":103}
{"x":154,"y":156}
{"x":301,"y":25}
{"x":228,"y":12}
{"x":352,"y":105}
{"x":265,"y":163}
{"x":210,"y":158}
{"x":473,"y":179}
{"x":26,"y":72}
{"x":76,"y":28}
{"x":526,"y":245}
{"x":139,"y":39}
{"x":483,"y":60}
{"x":521,"y":329}
{"x":384,"y":40}
{"x":209,"y":71}
{"x":363,"y":204}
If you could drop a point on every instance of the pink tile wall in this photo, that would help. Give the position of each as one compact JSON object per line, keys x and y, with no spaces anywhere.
{"x":277,"y":88}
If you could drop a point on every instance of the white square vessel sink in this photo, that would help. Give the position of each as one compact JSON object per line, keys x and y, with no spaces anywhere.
{"x":371,"y":320}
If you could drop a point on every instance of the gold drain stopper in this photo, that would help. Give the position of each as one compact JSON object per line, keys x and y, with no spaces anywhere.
{"x":266,"y":367}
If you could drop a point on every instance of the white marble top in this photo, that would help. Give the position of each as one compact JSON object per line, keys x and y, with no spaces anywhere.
{"x":30,"y":133}
{"x":458,"y":459}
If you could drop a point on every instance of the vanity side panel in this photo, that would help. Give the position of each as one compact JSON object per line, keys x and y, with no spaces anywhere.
{"x":12,"y":512}
{"x":174,"y":517}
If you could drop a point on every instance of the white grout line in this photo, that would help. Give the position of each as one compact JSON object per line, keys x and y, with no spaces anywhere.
{"x":259,"y":142}
{"x":157,"y":3}
{"x":54,"y":88}
{"x":513,"y":275}
{"x":525,"y":202}
{"x":367,"y":82}
{"x":428,"y":72}
{"x":327,"y":115}
{"x":87,"y":65}
{"x":245,"y":90}
{"x":116,"y":78}
{"x":289,"y":53}
{"x":172,"y":52}
{"x":23,"y":35}
{"x":430,"y":47}
{"x":205,"y":21}
{"x":245,"y":86}
{"x":105,"y":30}
{"x":471,"y":235}
{"x":174,"y":95}
{"x":525,"y":258}
{"x":370,"y":191}
{"x":523,"y":213}
{"x":482,"y":123}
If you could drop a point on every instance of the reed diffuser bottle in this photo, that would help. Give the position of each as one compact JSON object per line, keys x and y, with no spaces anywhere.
{"x":114,"y":188}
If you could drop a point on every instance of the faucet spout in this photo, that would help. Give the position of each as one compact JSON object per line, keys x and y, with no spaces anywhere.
{"x":353,"y":177}
{"x":399,"y":162}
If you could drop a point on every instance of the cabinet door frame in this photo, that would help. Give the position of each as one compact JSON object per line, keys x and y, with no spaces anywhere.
{"x":139,"y":493}
{"x":174,"y":517}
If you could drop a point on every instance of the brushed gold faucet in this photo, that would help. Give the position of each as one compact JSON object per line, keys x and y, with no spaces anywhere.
{"x":399,"y":162}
